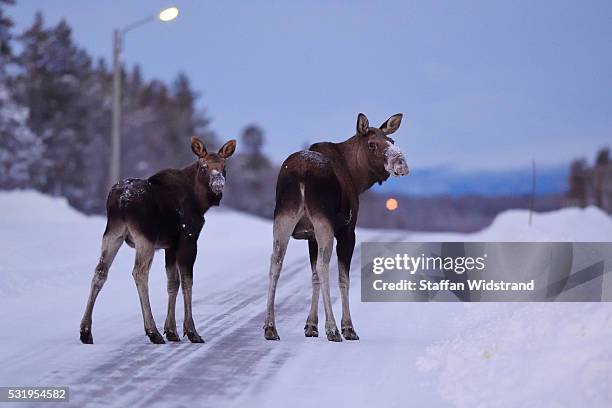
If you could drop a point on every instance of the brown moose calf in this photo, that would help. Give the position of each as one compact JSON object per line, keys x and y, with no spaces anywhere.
{"x":165,"y":211}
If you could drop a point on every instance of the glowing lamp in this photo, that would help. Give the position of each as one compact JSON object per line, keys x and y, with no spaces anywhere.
{"x":168,"y":14}
{"x":391,"y":204}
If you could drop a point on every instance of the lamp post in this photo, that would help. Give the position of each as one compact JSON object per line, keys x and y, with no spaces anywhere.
{"x":165,"y":15}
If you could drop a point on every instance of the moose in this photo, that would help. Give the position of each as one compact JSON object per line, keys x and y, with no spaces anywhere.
{"x":317,"y":199}
{"x":165,"y":211}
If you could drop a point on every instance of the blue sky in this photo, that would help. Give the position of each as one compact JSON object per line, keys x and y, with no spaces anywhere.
{"x":482,"y":84}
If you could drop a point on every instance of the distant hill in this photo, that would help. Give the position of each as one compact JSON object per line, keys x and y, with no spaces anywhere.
{"x":432,"y":181}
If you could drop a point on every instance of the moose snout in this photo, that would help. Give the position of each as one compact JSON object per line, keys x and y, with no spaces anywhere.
{"x":217,"y":182}
{"x":400,"y":167}
{"x":395,"y":161}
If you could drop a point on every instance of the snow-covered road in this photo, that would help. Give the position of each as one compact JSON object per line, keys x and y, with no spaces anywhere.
{"x":407,"y":355}
{"x":48,"y":268}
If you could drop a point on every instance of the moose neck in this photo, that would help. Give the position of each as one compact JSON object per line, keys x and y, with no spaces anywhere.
{"x":356,"y":162}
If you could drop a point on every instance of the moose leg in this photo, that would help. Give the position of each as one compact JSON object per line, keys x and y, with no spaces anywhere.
{"x":186,"y":258}
{"x":111,"y":242}
{"x":173,"y":287}
{"x":142,"y":264}
{"x":344,"y":250}
{"x":282,"y":229}
{"x":325,"y":241}
{"x":311,"y":327}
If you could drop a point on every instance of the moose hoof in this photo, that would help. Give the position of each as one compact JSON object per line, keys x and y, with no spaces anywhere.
{"x":156,"y":338}
{"x":310,"y":330}
{"x":171,"y":336}
{"x":333,"y":335}
{"x":86,"y":337}
{"x":349,"y":333}
{"x":194,"y":337}
{"x":270,"y":333}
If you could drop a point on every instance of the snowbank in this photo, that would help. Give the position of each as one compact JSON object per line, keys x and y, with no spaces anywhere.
{"x":567,"y":224}
{"x":26,"y":206}
{"x":589,"y":224}
{"x":537,"y":355}
{"x":534,"y":354}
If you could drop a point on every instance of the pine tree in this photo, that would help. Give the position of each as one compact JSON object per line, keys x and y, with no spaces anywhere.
{"x":253,"y":140}
{"x":577,"y":185}
{"x":5,"y":35}
{"x":51,"y":83}
{"x":20,"y":148}
{"x":142,"y":127}
{"x":96,"y":94}
{"x":185,"y":121}
{"x":257,"y":176}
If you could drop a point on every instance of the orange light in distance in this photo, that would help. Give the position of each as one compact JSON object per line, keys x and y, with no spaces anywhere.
{"x":391,"y":204}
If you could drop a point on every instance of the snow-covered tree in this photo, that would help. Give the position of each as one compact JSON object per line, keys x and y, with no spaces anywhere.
{"x":53,"y":71}
{"x":20,"y":149}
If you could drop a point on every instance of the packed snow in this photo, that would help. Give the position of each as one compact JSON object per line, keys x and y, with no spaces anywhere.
{"x":314,"y":157}
{"x":536,"y":355}
{"x":421,"y":354}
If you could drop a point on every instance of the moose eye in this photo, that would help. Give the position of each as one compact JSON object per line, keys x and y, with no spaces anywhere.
{"x":372,"y":145}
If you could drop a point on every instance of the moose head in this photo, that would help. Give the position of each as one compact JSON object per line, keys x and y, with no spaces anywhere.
{"x":384,"y":157}
{"x":211,"y":166}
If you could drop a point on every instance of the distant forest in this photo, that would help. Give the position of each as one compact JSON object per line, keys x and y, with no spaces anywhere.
{"x":55,"y":127}
{"x":55,"y":116}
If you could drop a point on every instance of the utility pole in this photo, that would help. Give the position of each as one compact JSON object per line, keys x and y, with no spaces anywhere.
{"x":533,"y":190}
{"x":115,"y":159}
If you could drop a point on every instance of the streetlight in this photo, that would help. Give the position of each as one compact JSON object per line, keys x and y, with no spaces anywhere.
{"x":165,"y":15}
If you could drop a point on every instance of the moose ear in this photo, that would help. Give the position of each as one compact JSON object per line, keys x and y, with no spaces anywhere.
{"x":362,"y":124}
{"x":227,"y":149}
{"x":197,"y":146}
{"x":392,"y":124}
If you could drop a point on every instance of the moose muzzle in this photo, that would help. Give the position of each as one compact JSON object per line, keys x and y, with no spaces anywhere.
{"x":395,"y":161}
{"x":217,"y":182}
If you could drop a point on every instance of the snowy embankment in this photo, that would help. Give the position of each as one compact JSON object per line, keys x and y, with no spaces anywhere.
{"x":533,"y":354}
{"x":423,"y":354}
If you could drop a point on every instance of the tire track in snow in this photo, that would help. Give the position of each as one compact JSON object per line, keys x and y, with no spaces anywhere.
{"x":185,"y":369}
{"x":235,"y":361}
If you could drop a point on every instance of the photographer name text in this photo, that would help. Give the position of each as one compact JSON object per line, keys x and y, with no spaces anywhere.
{"x":447,"y":285}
